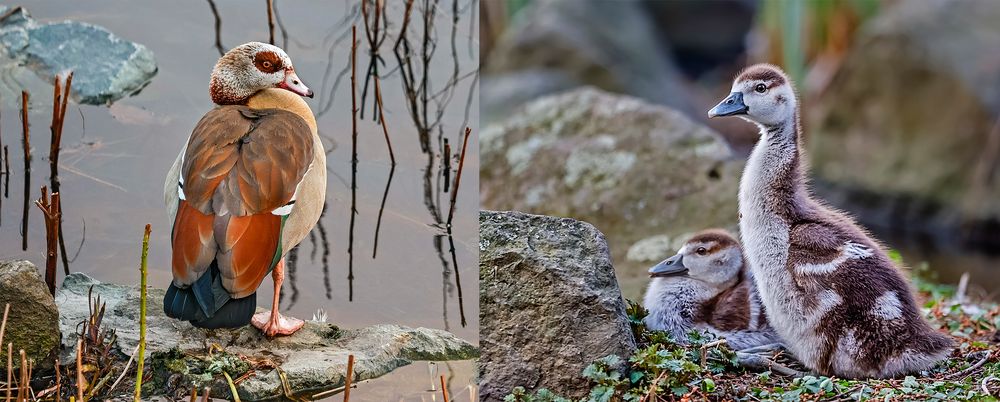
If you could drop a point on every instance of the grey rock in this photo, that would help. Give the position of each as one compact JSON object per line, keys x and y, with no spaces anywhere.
{"x":548,"y":289}
{"x":632,"y":169}
{"x":611,"y":45}
{"x":909,"y":119}
{"x":105,"y":67}
{"x":313,"y":359}
{"x":33,"y":321}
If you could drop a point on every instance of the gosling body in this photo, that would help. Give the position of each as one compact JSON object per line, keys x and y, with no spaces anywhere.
{"x":707,"y":287}
{"x":831,"y":292}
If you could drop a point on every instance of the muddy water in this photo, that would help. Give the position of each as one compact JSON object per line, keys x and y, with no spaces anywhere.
{"x":114,"y":160}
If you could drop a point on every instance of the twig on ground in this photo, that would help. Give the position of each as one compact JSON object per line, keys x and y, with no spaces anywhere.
{"x":986,"y":389}
{"x":704,"y":349}
{"x":971,"y":368}
{"x":128,"y":365}
{"x":757,"y":362}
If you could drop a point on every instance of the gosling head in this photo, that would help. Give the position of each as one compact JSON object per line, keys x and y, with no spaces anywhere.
{"x":761,"y":94}
{"x":251,"y":67}
{"x":712,"y":256}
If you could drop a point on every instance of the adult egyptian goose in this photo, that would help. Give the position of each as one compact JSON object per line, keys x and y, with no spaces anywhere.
{"x":247,"y":187}
{"x":831,"y":292}
{"x":708,"y":287}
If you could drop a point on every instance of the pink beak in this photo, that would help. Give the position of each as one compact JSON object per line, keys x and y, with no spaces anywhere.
{"x":294,"y":84}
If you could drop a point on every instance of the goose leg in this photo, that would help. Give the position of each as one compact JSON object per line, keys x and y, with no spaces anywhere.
{"x":272,"y":323}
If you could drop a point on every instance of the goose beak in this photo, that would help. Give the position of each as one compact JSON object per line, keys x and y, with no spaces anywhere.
{"x":294,"y":84}
{"x":732,"y":105}
{"x":673,"y":266}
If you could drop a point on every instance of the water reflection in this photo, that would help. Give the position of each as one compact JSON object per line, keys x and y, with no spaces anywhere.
{"x":392,"y":209}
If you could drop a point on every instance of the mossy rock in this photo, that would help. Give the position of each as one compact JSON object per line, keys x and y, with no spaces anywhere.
{"x":33,"y":321}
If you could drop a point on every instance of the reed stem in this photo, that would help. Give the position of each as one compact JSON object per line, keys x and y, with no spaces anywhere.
{"x":142,"y":315}
{"x":444,"y":389}
{"x":348,"y":378}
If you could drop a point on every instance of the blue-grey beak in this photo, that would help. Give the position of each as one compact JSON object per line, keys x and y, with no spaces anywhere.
{"x":669,"y":267}
{"x":732,"y":105}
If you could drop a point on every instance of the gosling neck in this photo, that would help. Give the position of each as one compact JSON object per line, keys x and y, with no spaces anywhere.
{"x":775,"y":171}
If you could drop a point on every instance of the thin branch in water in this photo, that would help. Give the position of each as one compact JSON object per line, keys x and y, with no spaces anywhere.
{"x":59,"y":102}
{"x":6,"y":176}
{"x":270,"y":21}
{"x":354,"y":163}
{"x":218,"y":28}
{"x":381,"y":114}
{"x":458,"y":176}
{"x":381,"y":209}
{"x":458,"y":277}
{"x":26,"y":145}
{"x":50,"y":211}
{"x":446,"y":164}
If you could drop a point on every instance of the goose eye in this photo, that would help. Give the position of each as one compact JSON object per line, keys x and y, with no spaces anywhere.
{"x":701,"y":251}
{"x":760,"y":88}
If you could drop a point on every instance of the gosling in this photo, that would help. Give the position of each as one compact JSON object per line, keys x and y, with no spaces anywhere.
{"x":833,"y":295}
{"x":707,"y":287}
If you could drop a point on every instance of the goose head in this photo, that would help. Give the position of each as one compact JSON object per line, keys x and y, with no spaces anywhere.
{"x":762,"y":94}
{"x":712,"y":256}
{"x":251,"y":67}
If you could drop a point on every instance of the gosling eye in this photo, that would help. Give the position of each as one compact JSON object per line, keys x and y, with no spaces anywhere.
{"x":701,"y":251}
{"x":760,"y":88}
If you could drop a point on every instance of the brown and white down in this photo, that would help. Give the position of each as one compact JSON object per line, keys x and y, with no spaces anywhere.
{"x":839,"y":303}
{"x":708,"y":287}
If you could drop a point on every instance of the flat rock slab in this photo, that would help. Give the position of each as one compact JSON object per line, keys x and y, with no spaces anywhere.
{"x":105,"y":67}
{"x":312,"y":360}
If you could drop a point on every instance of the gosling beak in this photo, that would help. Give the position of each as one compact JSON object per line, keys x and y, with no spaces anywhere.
{"x":294,"y":84}
{"x":732,"y":105}
{"x":673,"y":266}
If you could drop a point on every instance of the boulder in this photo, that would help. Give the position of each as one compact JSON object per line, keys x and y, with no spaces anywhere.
{"x":105,"y":67}
{"x":551,"y":304}
{"x":906,"y":134}
{"x":312,"y":360}
{"x":632,"y":169}
{"x":612,"y":45}
{"x":33,"y":321}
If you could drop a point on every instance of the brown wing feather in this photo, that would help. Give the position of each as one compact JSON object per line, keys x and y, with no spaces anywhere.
{"x":193,"y":244}
{"x":240,"y":164}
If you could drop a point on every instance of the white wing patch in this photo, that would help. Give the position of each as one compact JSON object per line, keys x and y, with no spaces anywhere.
{"x":850,"y":251}
{"x":887,"y":306}
{"x":287,"y":208}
